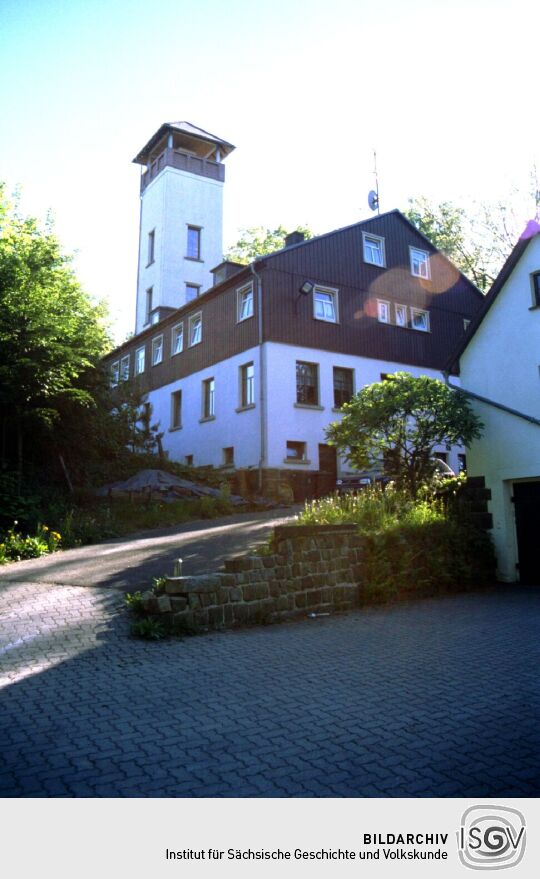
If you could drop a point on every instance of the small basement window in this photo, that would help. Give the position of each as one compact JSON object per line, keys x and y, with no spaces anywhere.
{"x":296,"y":451}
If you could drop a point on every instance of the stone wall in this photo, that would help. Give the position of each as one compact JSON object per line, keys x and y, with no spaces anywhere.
{"x":311,"y":569}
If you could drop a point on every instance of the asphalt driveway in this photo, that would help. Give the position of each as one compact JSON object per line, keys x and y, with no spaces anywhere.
{"x":131,"y":562}
{"x":432,"y":698}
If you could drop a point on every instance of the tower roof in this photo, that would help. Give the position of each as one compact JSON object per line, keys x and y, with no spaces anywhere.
{"x":188,"y":136}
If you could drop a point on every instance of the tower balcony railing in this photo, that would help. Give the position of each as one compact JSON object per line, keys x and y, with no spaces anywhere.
{"x":183,"y":162}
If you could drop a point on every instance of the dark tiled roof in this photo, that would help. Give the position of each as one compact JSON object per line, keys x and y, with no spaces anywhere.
{"x":184,"y":128}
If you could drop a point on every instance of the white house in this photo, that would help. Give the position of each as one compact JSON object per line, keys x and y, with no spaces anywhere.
{"x":499,"y":362}
{"x":245,"y":366}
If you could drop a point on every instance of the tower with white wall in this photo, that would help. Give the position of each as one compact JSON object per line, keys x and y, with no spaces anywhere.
{"x":181,"y":224}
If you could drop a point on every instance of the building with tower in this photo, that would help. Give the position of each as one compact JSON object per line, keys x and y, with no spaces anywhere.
{"x":245,"y":366}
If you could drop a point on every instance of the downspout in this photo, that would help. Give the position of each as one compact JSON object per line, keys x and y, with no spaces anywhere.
{"x":489,"y":402}
{"x":262,"y":377}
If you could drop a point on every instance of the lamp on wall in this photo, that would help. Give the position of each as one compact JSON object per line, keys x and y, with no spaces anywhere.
{"x":305,"y":289}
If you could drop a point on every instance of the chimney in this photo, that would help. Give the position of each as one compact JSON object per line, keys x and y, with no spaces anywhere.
{"x":294,"y":238}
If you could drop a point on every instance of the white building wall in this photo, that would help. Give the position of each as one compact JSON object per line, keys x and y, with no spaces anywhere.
{"x":287,"y":421}
{"x":205,"y":440}
{"x":173,"y":201}
{"x":502,"y":363}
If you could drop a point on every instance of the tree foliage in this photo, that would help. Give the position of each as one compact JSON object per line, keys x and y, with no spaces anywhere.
{"x":51,"y":333}
{"x":477,"y":240}
{"x":396,"y":424}
{"x":258,"y":241}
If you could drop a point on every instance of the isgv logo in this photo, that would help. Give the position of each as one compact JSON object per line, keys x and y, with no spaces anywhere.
{"x":491,"y":837}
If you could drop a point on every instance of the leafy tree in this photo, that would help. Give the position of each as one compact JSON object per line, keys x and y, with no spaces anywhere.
{"x":51,"y":333}
{"x":397,"y":423}
{"x":479,"y":240}
{"x":258,"y":241}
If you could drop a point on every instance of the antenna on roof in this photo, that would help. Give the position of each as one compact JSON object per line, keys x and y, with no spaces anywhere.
{"x":373,"y":196}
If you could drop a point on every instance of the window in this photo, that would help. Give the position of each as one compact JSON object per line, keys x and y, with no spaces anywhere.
{"x":296,"y":451}
{"x":374,"y":250}
{"x":343,"y":386}
{"x":325,"y":304}
{"x":209,"y":398}
{"x":419,"y":320}
{"x":189,"y":460}
{"x":228,"y":456}
{"x":192,"y":292}
{"x":535,"y":278}
{"x":139,"y":360}
{"x":244,"y":303}
{"x":124,"y":368}
{"x":247,"y":385}
{"x":195,"y":329}
{"x":307,"y":384}
{"x":177,"y":339}
{"x":115,"y":373}
{"x":157,"y":350}
{"x":401,"y":315}
{"x":151,"y":246}
{"x":419,"y":263}
{"x":462,"y":462}
{"x":176,"y":410}
{"x":149,"y":298}
{"x":193,"y":242}
{"x":466,"y":324}
{"x":383,"y":311}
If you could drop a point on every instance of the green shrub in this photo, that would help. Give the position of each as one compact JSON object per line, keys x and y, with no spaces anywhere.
{"x":134,"y":602}
{"x":411,"y":547}
{"x":149,"y":629}
{"x":15,"y":547}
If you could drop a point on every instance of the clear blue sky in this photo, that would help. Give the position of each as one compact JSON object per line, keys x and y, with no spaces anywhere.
{"x":445,"y":91}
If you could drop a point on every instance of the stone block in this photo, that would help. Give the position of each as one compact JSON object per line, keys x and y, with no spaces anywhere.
{"x":235,"y":594}
{"x":300,"y":599}
{"x":194,"y":600}
{"x":228,"y":580}
{"x":176,"y":585}
{"x":237,"y":564}
{"x":178,"y":604}
{"x":228,"y":614}
{"x":223,"y":595}
{"x":208,"y":598}
{"x":269,"y":561}
{"x":255,"y":591}
{"x":241,"y":613}
{"x":215,"y":616}
{"x":200,"y":617}
{"x":163,"y":604}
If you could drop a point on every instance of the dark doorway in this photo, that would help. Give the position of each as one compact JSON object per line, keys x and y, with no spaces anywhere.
{"x":327,"y":469}
{"x":527,"y":503}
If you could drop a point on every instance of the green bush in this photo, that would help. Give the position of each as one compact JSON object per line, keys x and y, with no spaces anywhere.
{"x":411,"y":547}
{"x":15,"y":547}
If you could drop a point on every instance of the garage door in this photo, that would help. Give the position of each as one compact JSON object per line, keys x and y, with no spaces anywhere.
{"x":527,"y":503}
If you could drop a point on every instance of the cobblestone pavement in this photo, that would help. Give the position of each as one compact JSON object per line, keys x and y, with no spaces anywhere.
{"x":432,"y":698}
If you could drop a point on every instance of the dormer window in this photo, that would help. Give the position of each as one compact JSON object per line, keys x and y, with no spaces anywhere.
{"x":374,"y":250}
{"x":420,"y":263}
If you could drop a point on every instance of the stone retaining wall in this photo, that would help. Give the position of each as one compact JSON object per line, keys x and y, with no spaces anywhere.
{"x":312,"y":569}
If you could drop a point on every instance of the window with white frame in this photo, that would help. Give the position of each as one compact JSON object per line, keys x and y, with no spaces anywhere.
{"x":401,"y":315}
{"x":193,"y":242}
{"x":420,"y":320}
{"x":383,"y":311}
{"x":157,"y":350}
{"x":195,"y":329}
{"x":244,"y":303}
{"x":419,"y":263}
{"x":325,"y":304}
{"x":177,"y":339}
{"x":374,"y":250}
{"x":176,"y":410}
{"x":115,"y":373}
{"x":140,"y":355}
{"x":247,"y":385}
{"x":124,"y":368}
{"x":209,"y":398}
